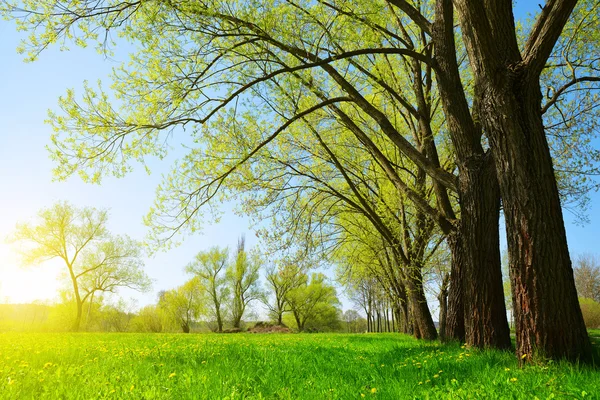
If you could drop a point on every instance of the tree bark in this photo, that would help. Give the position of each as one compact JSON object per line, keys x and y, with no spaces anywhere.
{"x":548,"y":318}
{"x":486,"y":324}
{"x":455,"y":319}
{"x":423,"y":321}
{"x":443,"y":300}
{"x":476,"y":271}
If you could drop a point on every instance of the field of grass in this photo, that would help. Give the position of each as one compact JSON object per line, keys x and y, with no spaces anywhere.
{"x":270,"y":366}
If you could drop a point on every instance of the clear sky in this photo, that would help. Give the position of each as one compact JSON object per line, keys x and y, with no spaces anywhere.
{"x":27,"y":91}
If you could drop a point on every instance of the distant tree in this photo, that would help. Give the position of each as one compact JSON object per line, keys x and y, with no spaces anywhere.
{"x":242,"y":275}
{"x":117,"y":317}
{"x":119,"y":265}
{"x":312,"y":300}
{"x":351,"y":318}
{"x":185,"y":303}
{"x":210,"y":267}
{"x":94,"y":259}
{"x":591,"y":312}
{"x":280,"y":281}
{"x":149,"y":319}
{"x":587,"y":276}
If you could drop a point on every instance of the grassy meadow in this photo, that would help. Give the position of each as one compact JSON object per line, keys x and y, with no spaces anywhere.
{"x":273,"y":366}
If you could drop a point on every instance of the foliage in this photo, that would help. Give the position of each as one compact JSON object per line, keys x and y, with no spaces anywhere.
{"x":185,"y":303}
{"x":243,"y":278}
{"x":151,"y":318}
{"x":587,"y":276}
{"x":319,"y":366}
{"x":314,"y":304}
{"x":591,"y":312}
{"x":210,"y":267}
{"x":95,"y":260}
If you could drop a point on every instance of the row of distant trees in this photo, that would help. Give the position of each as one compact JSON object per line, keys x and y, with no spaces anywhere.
{"x":221,"y":291}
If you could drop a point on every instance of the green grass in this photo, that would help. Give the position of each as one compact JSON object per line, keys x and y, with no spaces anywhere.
{"x":244,"y":366}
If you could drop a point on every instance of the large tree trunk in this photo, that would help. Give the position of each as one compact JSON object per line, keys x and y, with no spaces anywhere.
{"x":423,"y":321}
{"x":455,"y":318}
{"x":475,"y":248}
{"x":486,"y":324}
{"x":548,"y":318}
{"x":547,"y":313}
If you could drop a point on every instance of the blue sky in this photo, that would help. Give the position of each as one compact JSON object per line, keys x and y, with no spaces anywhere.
{"x":27,"y":91}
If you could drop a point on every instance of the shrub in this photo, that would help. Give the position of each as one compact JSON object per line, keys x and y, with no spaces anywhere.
{"x":591,"y":312}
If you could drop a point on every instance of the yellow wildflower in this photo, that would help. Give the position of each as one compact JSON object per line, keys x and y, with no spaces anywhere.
{"x":373,"y":390}
{"x":513,"y":379}
{"x":172,"y":375}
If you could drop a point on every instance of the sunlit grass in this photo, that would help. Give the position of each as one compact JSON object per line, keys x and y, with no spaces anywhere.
{"x":323,"y":366}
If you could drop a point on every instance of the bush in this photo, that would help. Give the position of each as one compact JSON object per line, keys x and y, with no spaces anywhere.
{"x":591,"y":312}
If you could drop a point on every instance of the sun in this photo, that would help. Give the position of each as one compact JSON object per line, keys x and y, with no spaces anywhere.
{"x":25,"y":285}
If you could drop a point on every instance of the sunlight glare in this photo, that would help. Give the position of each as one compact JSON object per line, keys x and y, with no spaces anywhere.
{"x":25,"y":285}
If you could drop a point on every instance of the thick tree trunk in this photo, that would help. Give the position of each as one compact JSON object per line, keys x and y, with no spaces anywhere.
{"x":486,"y":324}
{"x":423,"y":321}
{"x":476,"y":273}
{"x":455,"y":319}
{"x":185,"y":328}
{"x":548,"y":318}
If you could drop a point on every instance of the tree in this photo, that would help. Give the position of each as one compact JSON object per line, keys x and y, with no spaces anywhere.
{"x":587,"y":277}
{"x":149,"y":319}
{"x":351,"y":318}
{"x":185,"y":303}
{"x":243,"y":275}
{"x":95,"y":261}
{"x":281,"y":281}
{"x":312,"y":300}
{"x":210,"y":267}
{"x":118,"y":265}
{"x":492,"y":105}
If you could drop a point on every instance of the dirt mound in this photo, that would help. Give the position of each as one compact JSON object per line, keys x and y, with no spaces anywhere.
{"x":232,"y":330}
{"x":266,"y":327}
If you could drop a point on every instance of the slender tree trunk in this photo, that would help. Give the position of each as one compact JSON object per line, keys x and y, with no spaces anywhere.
{"x":87,"y":318}
{"x":443,"y":300}
{"x":79,"y":302}
{"x":219,"y":318}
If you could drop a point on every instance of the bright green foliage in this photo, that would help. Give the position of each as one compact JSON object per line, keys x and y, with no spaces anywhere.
{"x":315,"y":366}
{"x":151,"y":318}
{"x":186,"y":303}
{"x":95,"y":261}
{"x":280,"y":281}
{"x":210,"y":266}
{"x":314,"y":304}
{"x":242,"y":275}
